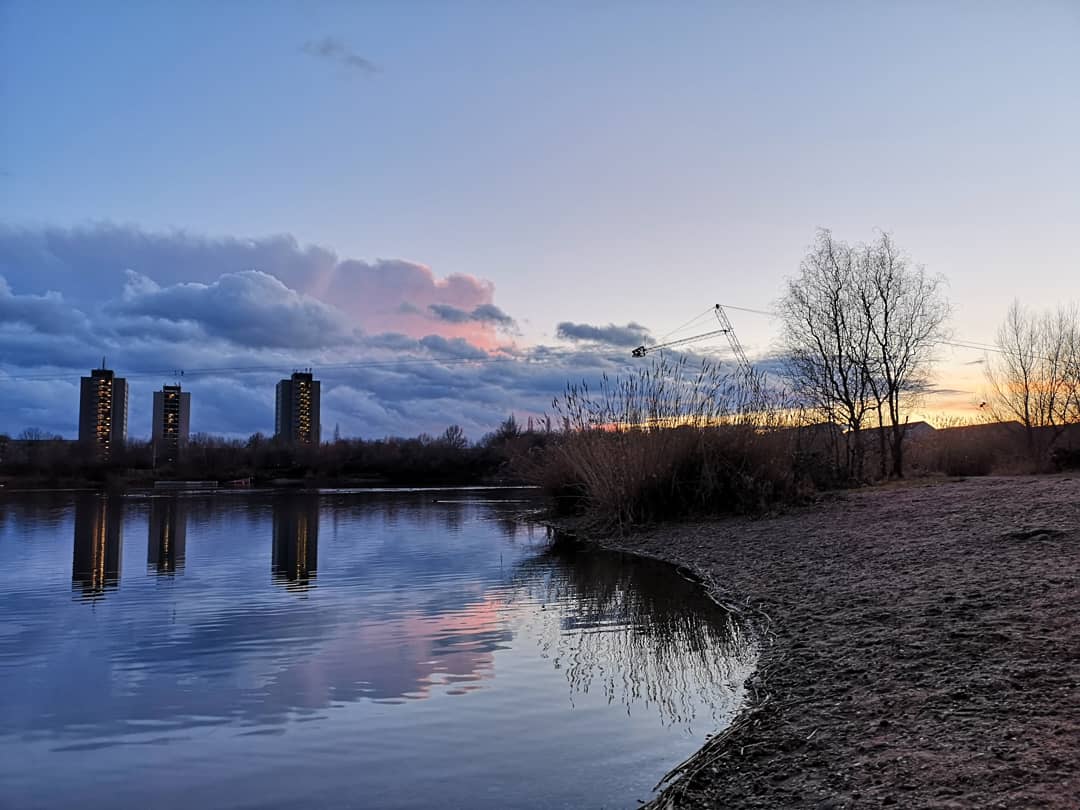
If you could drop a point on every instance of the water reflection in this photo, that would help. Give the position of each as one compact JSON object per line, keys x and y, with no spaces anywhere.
{"x":95,"y":566}
{"x":296,"y":540}
{"x":167,"y":535}
{"x":639,"y":632}
{"x":602,"y":668}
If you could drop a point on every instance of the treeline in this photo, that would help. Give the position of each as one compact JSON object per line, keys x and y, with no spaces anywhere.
{"x":1033,"y":377}
{"x":35,"y":458}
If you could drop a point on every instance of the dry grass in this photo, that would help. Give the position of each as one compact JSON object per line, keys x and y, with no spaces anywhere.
{"x":668,"y":442}
{"x":678,"y":442}
{"x":994,"y":448}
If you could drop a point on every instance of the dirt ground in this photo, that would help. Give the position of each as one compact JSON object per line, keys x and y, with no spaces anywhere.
{"x":923,"y":648}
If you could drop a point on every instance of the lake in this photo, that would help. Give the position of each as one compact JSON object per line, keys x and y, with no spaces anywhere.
{"x":342,"y":649}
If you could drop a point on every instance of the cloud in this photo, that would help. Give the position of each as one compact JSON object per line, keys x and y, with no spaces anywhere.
{"x":250,"y":308}
{"x":48,"y":314}
{"x":334,"y":50}
{"x":456,"y":348}
{"x":484,"y":313}
{"x":239,"y":314}
{"x":633,"y":334}
{"x":445,"y":312}
{"x":395,"y":341}
{"x":489,"y":313}
{"x":383,"y":295}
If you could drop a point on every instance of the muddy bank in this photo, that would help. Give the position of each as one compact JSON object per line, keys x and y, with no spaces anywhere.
{"x":923,"y":648}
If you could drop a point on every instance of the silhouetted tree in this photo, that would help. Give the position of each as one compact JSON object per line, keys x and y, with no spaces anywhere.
{"x":1034,"y":377}
{"x":860,"y":327}
{"x":454,"y":438}
{"x":827,"y":341}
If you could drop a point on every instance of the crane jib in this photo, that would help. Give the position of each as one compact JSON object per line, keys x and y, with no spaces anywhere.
{"x":726,"y":329}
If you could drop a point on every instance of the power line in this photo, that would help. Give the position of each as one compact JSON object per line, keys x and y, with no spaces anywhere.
{"x":695,"y":319}
{"x":974,"y":345}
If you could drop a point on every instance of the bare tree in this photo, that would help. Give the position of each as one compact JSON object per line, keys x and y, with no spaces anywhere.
{"x":860,"y":327}
{"x":906,"y":311}
{"x":827,"y":341}
{"x":454,"y":438}
{"x":33,"y":434}
{"x":1034,"y":377}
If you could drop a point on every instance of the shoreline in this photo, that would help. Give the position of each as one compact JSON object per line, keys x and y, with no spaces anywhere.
{"x":920,"y":647}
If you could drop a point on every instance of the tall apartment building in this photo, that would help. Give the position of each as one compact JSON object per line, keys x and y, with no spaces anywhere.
{"x":296,"y":416}
{"x":172,"y":419}
{"x":103,"y":411}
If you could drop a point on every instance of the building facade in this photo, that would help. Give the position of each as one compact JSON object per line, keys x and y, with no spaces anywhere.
{"x":103,"y":412}
{"x":296,"y":415}
{"x":172,"y":420}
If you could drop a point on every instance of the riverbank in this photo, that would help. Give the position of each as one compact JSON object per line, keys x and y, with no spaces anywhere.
{"x":922,"y":648}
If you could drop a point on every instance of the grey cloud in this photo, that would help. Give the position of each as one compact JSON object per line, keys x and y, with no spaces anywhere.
{"x":335,"y":50}
{"x":89,"y":264}
{"x":48,"y":314}
{"x":195,"y":303}
{"x":395,"y":341}
{"x":457,"y":348}
{"x":250,"y":308}
{"x":46,"y":404}
{"x":403,"y":398}
{"x":484,"y":313}
{"x":27,"y":351}
{"x":489,"y":313}
{"x":384,"y":295}
{"x":445,"y":312}
{"x":633,"y":334}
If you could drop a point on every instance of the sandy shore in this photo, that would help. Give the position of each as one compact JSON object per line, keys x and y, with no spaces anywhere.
{"x":923,"y":648}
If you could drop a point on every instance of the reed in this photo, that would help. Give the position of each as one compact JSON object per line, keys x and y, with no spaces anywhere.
{"x":668,"y":441}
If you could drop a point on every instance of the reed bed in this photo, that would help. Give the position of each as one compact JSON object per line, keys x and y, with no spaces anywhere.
{"x":669,"y":441}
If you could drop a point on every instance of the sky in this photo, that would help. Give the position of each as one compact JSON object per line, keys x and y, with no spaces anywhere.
{"x":289,"y":184}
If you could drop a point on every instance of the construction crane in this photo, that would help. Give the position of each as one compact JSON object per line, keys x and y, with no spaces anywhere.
{"x":725,"y":329}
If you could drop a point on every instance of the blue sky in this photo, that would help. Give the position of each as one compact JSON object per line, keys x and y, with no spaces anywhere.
{"x":599,"y":163}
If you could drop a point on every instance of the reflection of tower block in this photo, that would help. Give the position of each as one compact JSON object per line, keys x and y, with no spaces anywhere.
{"x":167,"y":536}
{"x":296,"y":541}
{"x":95,"y":565}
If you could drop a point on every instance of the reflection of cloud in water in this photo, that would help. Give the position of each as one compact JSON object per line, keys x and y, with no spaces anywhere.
{"x":404,"y":658}
{"x":415,"y":599}
{"x":640,"y":632}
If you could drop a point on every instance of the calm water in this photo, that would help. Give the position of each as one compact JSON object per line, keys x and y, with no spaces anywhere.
{"x":341,"y":650}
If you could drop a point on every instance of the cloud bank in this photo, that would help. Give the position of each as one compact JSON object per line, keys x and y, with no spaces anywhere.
{"x":633,"y":334}
{"x":400,"y":349}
